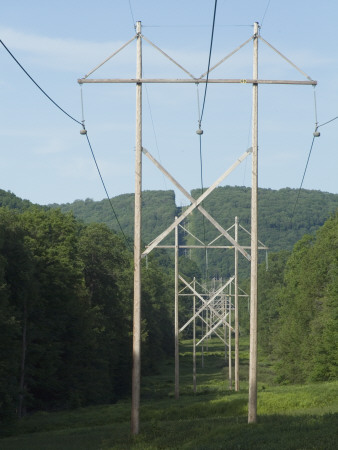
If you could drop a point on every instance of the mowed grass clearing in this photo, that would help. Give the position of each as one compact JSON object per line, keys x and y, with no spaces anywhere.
{"x":289,"y":417}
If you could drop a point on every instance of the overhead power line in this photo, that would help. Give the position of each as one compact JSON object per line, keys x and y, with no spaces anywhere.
{"x":308,"y":159}
{"x":204,"y":98}
{"x":266,"y":10}
{"x":77,"y":121}
{"x":329,"y":121}
{"x":199,"y":126}
{"x":301,"y":184}
{"x":37,"y":85}
{"x":131,"y":13}
{"x":210,"y":51}
{"x":105,"y":189}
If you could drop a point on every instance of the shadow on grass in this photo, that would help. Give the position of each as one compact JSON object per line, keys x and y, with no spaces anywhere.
{"x":270,"y":433}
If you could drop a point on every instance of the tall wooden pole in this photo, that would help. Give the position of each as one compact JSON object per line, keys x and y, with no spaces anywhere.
{"x":236,"y":312}
{"x":194,"y":341}
{"x":136,"y":375}
{"x":202,"y":353}
{"x":177,"y":368}
{"x":207,"y":328}
{"x":224,"y":306}
{"x":229,"y":338}
{"x":252,"y":407}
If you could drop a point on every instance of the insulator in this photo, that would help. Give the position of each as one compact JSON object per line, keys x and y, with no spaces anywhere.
{"x":316,"y":134}
{"x":83,"y":131}
{"x":199,"y":131}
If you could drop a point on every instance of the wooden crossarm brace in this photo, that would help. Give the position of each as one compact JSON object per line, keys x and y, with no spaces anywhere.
{"x":109,"y":57}
{"x":222,"y":320}
{"x":195,"y":204}
{"x":206,"y":303}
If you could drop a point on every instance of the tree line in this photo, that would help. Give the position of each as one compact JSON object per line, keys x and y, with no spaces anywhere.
{"x":298,"y":308}
{"x":280,"y":224}
{"x":66,"y":313}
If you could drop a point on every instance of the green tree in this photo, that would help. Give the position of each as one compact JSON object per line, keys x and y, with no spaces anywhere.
{"x":108,"y":277}
{"x":270,"y":284}
{"x":157,"y":315}
{"x":57,"y":310}
{"x":15,"y":271}
{"x":306,"y":332}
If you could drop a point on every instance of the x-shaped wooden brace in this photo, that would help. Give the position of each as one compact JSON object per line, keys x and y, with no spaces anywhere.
{"x":196,"y":204}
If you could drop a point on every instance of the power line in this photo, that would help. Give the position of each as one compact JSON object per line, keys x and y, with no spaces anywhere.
{"x":301,"y":184}
{"x":200,"y":131}
{"x":329,"y":121}
{"x":131,"y":13}
{"x":105,"y":189}
{"x":77,"y":121}
{"x":308,"y":159}
{"x":204,"y":98}
{"x":266,"y":9}
{"x":39,"y":87}
{"x":210,"y":50}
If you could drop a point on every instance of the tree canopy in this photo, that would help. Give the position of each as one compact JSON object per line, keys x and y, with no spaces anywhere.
{"x":279,"y":226}
{"x":66,"y":312}
{"x":298,"y":307}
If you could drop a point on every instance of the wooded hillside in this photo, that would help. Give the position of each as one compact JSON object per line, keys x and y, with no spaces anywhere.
{"x":158,"y":210}
{"x":279,"y":228}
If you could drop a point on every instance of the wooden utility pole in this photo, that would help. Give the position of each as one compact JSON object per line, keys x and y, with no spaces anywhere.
{"x":194,"y":341}
{"x":225,"y":330}
{"x":229,"y":338}
{"x":136,"y":375}
{"x":236,"y":312}
{"x":177,"y":368}
{"x":252,"y":407}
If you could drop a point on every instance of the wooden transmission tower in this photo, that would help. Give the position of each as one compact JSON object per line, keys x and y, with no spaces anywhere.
{"x":195,"y":203}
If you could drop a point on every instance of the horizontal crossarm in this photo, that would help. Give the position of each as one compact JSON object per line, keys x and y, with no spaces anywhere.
{"x":195,"y":81}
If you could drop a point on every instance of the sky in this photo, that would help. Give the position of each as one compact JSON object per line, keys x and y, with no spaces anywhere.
{"x":45,"y":159}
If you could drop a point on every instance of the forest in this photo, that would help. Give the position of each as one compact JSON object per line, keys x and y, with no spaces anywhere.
{"x":298,"y":308}
{"x":283,"y":219}
{"x":66,"y":295}
{"x":65,"y":313}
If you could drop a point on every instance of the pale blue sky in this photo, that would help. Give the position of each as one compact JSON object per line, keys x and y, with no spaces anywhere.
{"x":45,"y":159}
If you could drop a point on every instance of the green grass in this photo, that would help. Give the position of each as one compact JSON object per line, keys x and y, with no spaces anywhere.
{"x":290,"y":417}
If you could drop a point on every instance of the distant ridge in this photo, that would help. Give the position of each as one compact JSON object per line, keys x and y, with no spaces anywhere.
{"x":277,"y":229}
{"x":158,"y":211}
{"x":11,"y":201}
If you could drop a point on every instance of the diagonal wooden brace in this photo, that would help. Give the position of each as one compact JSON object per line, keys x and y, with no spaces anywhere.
{"x":196,"y":204}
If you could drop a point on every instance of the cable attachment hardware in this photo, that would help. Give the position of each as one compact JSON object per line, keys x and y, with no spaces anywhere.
{"x":316,"y":133}
{"x":199,"y":131}
{"x":83,"y":131}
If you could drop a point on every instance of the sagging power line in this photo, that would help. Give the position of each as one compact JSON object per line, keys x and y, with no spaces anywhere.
{"x":83,"y":131}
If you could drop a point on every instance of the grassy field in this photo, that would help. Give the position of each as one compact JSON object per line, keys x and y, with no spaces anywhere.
{"x":290,"y":417}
